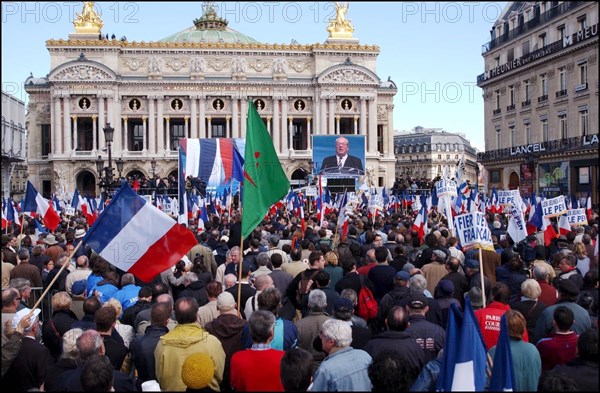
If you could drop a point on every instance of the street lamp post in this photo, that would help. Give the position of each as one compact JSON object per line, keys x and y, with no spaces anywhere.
{"x":107,"y":182}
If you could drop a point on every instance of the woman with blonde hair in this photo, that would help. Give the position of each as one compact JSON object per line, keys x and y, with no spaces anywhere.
{"x":527,"y":363}
{"x":583,"y":261}
{"x":61,"y":321}
{"x":332,"y":267}
{"x":126,"y":331}
{"x":529,"y":305}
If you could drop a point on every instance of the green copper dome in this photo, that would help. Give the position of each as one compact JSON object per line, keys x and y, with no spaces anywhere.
{"x":210,"y":28}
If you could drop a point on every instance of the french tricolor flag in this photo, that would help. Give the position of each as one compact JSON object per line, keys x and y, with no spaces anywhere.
{"x":35,"y":202}
{"x":420,"y":221}
{"x":137,"y":237}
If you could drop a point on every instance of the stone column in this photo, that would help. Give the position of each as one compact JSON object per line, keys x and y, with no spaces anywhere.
{"x":202,"y":118}
{"x":322,"y":130}
{"x":331,"y":125}
{"x":151,"y":126}
{"x":117,"y":146}
{"x":168,"y":134}
{"x":363,"y":116}
{"x":101,"y":122}
{"x":67,"y":125}
{"x":284,"y":132}
{"x":186,"y":126}
{"x":389,"y":143}
{"x":337,"y":125}
{"x":228,"y":132}
{"x":56,"y":126}
{"x":356,"y":125}
{"x":160,"y":126}
{"x":125,"y":146}
{"x":194,"y":115}
{"x":372,"y":130}
{"x":209,"y":131}
{"x":243,"y":114}
{"x":94,"y":133}
{"x":269,"y":126}
{"x":74,"y":138}
{"x":109,"y":117}
{"x":276,"y":125}
{"x":308,"y":134}
{"x":235,"y":119}
{"x":144,"y":133}
{"x":316,"y":107}
{"x":291,"y":132}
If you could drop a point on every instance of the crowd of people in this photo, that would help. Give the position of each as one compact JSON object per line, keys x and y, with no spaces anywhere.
{"x":282,"y":310}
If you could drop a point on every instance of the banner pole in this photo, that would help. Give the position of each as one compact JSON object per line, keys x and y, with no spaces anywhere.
{"x":482,"y":277}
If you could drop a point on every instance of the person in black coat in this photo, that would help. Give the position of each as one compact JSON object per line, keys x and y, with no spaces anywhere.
{"x":62,"y":320}
{"x":396,"y":339}
{"x":142,"y":347}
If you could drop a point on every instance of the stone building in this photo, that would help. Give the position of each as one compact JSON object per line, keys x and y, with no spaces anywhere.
{"x":198,"y":83}
{"x":540,"y":88}
{"x":14,"y":147}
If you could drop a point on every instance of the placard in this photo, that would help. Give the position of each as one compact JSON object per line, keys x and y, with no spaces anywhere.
{"x":509,"y":197}
{"x":445,"y":188}
{"x":473,"y":230}
{"x":311,"y":191}
{"x":69,"y":211}
{"x":554,"y":207}
{"x":576,"y":217}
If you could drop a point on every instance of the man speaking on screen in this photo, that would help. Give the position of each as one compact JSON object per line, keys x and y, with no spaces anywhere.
{"x":342,"y":162}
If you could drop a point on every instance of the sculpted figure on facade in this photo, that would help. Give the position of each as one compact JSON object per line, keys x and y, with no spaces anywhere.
{"x":155,"y":66}
{"x":197,"y":65}
{"x":279,"y":66}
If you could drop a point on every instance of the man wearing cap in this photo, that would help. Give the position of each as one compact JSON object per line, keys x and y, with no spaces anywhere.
{"x":53,"y":250}
{"x":227,"y":327}
{"x":28,"y":370}
{"x":567,"y":295}
{"x":429,"y":336}
{"x":474,"y":277}
{"x":395,"y":296}
{"x":84,"y":249}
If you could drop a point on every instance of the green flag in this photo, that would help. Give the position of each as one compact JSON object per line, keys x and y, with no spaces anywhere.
{"x":265,"y":181}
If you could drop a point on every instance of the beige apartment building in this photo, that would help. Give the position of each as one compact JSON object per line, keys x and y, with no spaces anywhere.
{"x":540,"y":89}
{"x":197,"y":83}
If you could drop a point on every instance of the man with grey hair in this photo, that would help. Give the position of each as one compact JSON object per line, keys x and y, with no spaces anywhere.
{"x":263,"y":260}
{"x":310,"y":325}
{"x":258,"y":368}
{"x":549,"y":293}
{"x":418,"y":285}
{"x":261,"y":283}
{"x":344,"y":368}
{"x":24,"y":287}
{"x":128,"y":294}
{"x":80,"y":274}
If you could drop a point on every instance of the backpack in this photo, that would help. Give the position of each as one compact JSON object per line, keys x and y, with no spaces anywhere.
{"x":367,"y":305}
{"x":305,"y":284}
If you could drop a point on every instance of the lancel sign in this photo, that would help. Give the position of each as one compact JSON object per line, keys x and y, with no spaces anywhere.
{"x":586,"y":140}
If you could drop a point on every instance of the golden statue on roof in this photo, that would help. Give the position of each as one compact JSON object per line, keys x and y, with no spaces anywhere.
{"x":88,"y":21}
{"x":340,"y":27}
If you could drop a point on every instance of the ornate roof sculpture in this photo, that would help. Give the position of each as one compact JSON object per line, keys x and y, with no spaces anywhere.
{"x":340,"y":27}
{"x":88,"y":21}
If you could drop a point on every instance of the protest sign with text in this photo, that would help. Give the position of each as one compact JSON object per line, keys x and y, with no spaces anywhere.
{"x":509,"y":197}
{"x":473,"y":230}
{"x":445,"y":187}
{"x":576,"y":217}
{"x":554,"y":207}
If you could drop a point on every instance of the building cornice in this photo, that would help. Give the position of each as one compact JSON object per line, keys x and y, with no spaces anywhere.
{"x":208,"y":45}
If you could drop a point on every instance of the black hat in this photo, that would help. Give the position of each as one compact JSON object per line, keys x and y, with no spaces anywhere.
{"x":417,"y":301}
{"x":472,"y":263}
{"x":343,"y":305}
{"x":567,"y":287}
{"x":446,"y":287}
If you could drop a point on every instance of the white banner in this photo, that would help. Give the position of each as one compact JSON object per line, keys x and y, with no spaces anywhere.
{"x":576,"y":217}
{"x":554,"y":207}
{"x":509,"y":197}
{"x":445,"y":187}
{"x":516,"y":224}
{"x":69,"y":211}
{"x":473,"y":230}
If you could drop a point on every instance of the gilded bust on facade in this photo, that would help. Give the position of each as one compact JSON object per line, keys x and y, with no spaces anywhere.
{"x":340,"y":27}
{"x":88,"y":21}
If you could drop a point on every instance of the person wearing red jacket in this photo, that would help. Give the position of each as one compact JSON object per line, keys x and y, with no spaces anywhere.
{"x":489,"y":317}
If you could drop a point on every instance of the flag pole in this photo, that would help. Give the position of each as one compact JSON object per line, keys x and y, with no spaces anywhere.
{"x":239,"y":289}
{"x":481,"y":273}
{"x":37,"y":303}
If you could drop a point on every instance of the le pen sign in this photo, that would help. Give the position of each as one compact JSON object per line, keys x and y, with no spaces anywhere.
{"x":554,"y":207}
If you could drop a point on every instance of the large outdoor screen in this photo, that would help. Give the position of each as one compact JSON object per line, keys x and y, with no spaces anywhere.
{"x":338,"y":156}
